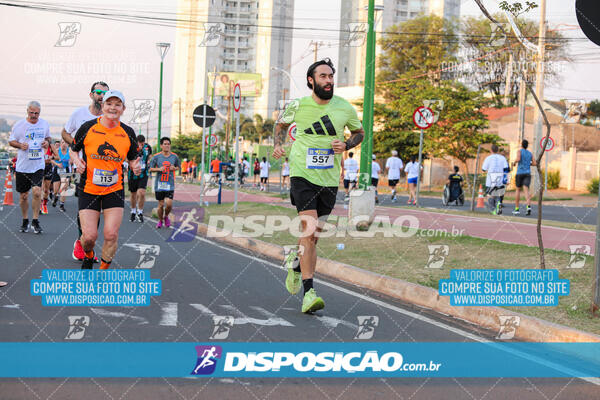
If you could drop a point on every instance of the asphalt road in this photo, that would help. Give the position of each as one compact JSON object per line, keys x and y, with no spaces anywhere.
{"x":579,"y":215}
{"x":202,"y":279}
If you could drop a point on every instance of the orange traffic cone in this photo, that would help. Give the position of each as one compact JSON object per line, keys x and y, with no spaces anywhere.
{"x":480,"y":198}
{"x":8,"y":191}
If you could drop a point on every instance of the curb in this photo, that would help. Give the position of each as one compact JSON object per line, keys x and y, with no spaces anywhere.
{"x":530,"y":328}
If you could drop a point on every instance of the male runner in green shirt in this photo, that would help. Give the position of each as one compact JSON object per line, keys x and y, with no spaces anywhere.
{"x":315,"y":160}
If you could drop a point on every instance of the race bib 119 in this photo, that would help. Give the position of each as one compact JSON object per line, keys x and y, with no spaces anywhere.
{"x":319,"y":158}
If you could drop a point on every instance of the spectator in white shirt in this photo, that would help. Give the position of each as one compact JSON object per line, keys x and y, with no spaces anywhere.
{"x":393,"y":166}
{"x":264,"y":173}
{"x":350,"y":172}
{"x":495,"y":165}
{"x":375,"y":170}
{"x":413,"y":170}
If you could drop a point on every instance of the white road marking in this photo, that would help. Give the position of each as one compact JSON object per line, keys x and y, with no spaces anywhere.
{"x":595,"y":381}
{"x":241,"y":319}
{"x":13,"y":306}
{"x":115,"y":314}
{"x":331,"y":322}
{"x":169,"y":314}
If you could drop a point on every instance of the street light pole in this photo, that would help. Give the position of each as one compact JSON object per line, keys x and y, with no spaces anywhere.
{"x":162,"y":48}
{"x":369,"y":98}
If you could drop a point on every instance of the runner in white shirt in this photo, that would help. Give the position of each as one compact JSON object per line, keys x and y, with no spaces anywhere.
{"x":375,"y":170}
{"x":79,"y":116}
{"x":494,"y":165}
{"x":246,"y":167}
{"x":30,"y":136}
{"x":350,"y":172}
{"x":285,"y":173}
{"x":413,"y":169}
{"x":393,"y":166}
{"x":264,"y":173}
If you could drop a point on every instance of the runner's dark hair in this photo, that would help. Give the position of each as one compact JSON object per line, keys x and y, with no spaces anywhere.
{"x":311,"y":69}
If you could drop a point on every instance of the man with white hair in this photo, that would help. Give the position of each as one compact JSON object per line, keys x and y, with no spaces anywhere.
{"x":393,"y":166}
{"x":30,"y":135}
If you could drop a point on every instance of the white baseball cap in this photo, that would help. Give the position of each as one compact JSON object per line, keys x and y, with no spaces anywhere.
{"x":374,"y":156}
{"x":113,"y":93}
{"x":394,"y":152}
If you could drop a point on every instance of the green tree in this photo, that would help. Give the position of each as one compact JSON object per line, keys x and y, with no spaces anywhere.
{"x":187,"y":146}
{"x":256,"y":129}
{"x":458,"y":132}
{"x":485,"y":56}
{"x":418,"y":46}
{"x":594,"y":108}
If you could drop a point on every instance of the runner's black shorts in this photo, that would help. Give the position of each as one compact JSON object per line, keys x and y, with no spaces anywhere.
{"x":100,"y":202}
{"x":162,"y":195}
{"x":25,"y":181}
{"x":522,"y":180}
{"x":55,"y":175}
{"x":347,"y":183}
{"x":308,"y":196}
{"x":374,"y":181}
{"x":48,"y":170}
{"x":393,"y":182}
{"x":139,"y":183}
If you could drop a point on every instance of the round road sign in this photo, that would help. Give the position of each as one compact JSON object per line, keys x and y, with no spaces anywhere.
{"x":204,"y":115}
{"x":423,"y":117}
{"x":237,"y":97}
{"x":211,"y":140}
{"x":549,"y":145}
{"x":292,"y":131}
{"x":588,"y":16}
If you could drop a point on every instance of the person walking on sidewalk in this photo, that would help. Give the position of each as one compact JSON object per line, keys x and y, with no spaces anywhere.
{"x":375,"y":170}
{"x":413,"y":170}
{"x":350,"y":173}
{"x":524,"y":161}
{"x":315,"y":160}
{"x":285,"y":174}
{"x":164,"y":164}
{"x":138,"y":183}
{"x":494,"y":165}
{"x":393,"y":166}
{"x":265,"y":166}
{"x":30,"y":135}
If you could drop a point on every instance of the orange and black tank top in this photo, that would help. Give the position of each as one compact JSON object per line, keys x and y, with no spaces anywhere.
{"x":104,"y":151}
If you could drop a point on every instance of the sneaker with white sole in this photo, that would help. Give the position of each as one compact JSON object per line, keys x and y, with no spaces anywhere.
{"x":312,"y":302}
{"x":293,"y":280}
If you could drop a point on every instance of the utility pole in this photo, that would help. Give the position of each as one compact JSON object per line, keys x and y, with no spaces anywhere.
{"x":366,"y":149}
{"x":180,"y":115}
{"x":508,"y":84}
{"x":316,"y":45}
{"x":522,"y":98}
{"x":539,"y":84}
{"x":228,"y":122}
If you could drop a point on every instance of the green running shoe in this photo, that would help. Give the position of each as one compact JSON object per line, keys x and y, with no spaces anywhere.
{"x":312,"y":302}
{"x":293,"y":281}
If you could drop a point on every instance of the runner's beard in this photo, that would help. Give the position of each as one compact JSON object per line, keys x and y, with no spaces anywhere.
{"x":97,"y":105}
{"x":322,"y":93}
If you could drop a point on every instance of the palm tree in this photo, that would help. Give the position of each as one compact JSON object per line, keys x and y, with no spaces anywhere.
{"x":264,"y":127}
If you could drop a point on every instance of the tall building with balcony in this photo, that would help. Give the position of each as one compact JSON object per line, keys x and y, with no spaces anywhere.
{"x":353,"y":20}
{"x":235,"y":36}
